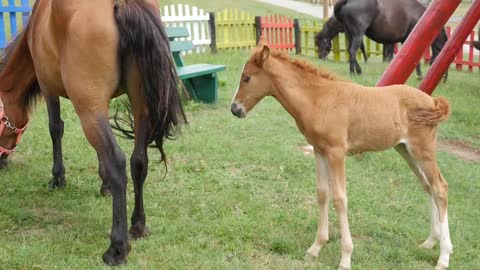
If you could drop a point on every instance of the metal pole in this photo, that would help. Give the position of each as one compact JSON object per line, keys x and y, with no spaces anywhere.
{"x":426,"y":30}
{"x":450,"y":50}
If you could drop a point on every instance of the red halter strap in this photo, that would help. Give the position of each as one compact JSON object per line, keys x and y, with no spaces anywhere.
{"x":5,"y":123}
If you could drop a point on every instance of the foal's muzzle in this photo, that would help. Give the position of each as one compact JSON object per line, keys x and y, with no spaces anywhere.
{"x":237,"y":111}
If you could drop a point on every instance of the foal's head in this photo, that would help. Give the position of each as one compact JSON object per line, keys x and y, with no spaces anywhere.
{"x":255,"y":83}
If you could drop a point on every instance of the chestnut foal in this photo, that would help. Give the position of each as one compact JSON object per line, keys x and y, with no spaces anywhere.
{"x":339,"y":118}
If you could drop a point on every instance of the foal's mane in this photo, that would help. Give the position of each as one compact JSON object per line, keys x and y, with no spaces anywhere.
{"x":306,"y":66}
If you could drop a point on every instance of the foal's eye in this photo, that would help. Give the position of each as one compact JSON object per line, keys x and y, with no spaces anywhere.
{"x":246,"y":79}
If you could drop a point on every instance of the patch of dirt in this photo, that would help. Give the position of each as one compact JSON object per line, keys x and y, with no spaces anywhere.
{"x":460,"y":149}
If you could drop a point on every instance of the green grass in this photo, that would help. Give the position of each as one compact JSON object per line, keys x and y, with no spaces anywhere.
{"x":239,"y":194}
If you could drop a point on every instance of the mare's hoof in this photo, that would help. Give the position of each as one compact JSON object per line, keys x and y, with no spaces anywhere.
{"x":106,"y":190}
{"x":440,"y":267}
{"x":139,"y":230}
{"x":3,"y":163}
{"x":56,"y":183}
{"x":117,"y":255}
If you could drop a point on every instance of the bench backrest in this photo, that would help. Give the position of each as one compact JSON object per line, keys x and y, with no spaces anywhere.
{"x":178,"y":46}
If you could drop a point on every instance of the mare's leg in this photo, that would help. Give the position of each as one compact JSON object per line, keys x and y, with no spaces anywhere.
{"x":55,"y":124}
{"x":434,"y":219}
{"x":424,"y":153}
{"x":3,"y":162}
{"x":322,"y":198}
{"x":105,"y":188}
{"x":112,"y":161}
{"x":336,"y":164}
{"x":139,"y":158}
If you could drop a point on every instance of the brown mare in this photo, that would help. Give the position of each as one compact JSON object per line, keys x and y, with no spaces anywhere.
{"x":340,"y":118}
{"x":90,"y":52}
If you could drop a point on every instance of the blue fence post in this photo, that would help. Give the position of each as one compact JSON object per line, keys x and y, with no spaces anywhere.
{"x":13,"y":19}
{"x":3,"y":35}
{"x":25,"y":14}
{"x":12,"y":10}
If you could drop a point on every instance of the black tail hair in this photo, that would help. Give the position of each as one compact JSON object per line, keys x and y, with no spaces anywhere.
{"x":143,"y":40}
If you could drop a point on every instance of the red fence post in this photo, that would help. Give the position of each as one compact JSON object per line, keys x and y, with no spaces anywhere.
{"x":427,"y":28}
{"x":453,"y":45}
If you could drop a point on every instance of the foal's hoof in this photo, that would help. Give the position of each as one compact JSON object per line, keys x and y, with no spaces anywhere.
{"x":139,"y":230}
{"x":106,"y":190}
{"x":56,"y":183}
{"x":117,"y":255}
{"x":440,"y":267}
{"x":342,"y":268}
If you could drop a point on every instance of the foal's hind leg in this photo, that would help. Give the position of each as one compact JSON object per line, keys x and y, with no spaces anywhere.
{"x":434,"y":219}
{"x":56,"y":134}
{"x":423,"y":152}
{"x":322,"y":198}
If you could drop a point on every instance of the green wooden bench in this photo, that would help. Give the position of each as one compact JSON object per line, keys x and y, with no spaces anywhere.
{"x":200,"y":80}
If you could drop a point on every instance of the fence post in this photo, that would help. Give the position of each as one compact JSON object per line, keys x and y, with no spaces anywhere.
{"x":298,"y":37}
{"x":258,"y":28}
{"x":213,"y":33}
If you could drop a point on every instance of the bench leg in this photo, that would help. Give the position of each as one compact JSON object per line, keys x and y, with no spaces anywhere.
{"x":203,"y":88}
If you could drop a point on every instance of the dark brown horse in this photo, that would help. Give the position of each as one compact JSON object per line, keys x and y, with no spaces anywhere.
{"x":384,"y":21}
{"x":90,"y":52}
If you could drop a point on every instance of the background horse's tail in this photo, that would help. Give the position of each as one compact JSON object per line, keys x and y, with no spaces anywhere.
{"x":429,"y":117}
{"x":336,"y":9}
{"x":144,"y":42}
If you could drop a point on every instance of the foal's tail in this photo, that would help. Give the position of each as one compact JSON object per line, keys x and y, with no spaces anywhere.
{"x":429,"y":117}
{"x":143,"y":41}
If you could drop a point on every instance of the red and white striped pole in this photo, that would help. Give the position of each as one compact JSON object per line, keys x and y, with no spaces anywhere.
{"x":426,"y":30}
{"x":451,"y":48}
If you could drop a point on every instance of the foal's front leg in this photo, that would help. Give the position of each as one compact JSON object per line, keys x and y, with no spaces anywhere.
{"x":322,"y":198}
{"x":336,"y":164}
{"x":56,"y":134}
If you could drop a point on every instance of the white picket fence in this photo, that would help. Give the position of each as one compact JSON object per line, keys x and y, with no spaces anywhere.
{"x":195,"y":19}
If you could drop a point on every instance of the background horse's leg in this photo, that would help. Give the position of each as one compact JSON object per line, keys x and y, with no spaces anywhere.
{"x":364,"y":52}
{"x":419,"y":71}
{"x":356,"y":41}
{"x":322,"y":198}
{"x":336,"y":164}
{"x":56,"y":134}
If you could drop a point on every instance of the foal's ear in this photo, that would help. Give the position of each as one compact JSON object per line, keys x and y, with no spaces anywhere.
{"x":262,"y":42}
{"x":262,"y":55}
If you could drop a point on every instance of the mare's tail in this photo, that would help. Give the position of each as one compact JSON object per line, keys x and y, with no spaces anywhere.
{"x":431,"y":117}
{"x":143,"y":41}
